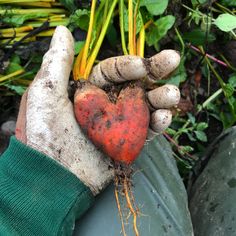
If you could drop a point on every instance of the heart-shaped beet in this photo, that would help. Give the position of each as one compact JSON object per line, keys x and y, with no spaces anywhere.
{"x":119,"y":129}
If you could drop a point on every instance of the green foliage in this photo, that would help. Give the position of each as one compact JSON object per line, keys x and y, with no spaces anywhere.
{"x":18,"y":89}
{"x":78,"y":46}
{"x":69,"y":4}
{"x":155,"y":7}
{"x":198,"y":37}
{"x":159,"y":29}
{"x":228,"y":3}
{"x":80,"y":18}
{"x":139,"y":21}
{"x":112,"y":35}
{"x":18,"y":20}
{"x":232,"y":80}
{"x":198,"y":2}
{"x":14,"y":65}
{"x":226,"y":22}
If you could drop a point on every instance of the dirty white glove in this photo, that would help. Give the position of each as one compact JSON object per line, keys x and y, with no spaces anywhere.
{"x":46,"y":120}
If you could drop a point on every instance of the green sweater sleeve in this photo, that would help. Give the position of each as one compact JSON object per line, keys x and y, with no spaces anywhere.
{"x":37,"y":195}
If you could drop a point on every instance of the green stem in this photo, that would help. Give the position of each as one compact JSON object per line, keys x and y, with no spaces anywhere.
{"x":122,"y":31}
{"x":234,"y":35}
{"x":196,"y":12}
{"x":18,"y":1}
{"x":181,"y":41}
{"x":9,"y":76}
{"x":64,"y":22}
{"x":88,"y":39}
{"x":32,"y":11}
{"x":131,"y":27}
{"x":100,"y":40}
{"x":222,"y":83}
{"x":227,"y":62}
{"x":211,"y":99}
{"x":224,"y":8}
{"x":178,"y":133}
{"x":105,"y":11}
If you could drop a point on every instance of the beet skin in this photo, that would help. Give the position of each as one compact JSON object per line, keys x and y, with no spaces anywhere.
{"x":118,"y":129}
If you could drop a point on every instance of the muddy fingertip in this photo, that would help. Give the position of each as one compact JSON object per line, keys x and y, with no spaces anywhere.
{"x":160,"y":120}
{"x":166,"y":96}
{"x":163,"y":63}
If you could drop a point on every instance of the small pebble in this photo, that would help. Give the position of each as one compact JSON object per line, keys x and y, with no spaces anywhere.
{"x":8,"y":127}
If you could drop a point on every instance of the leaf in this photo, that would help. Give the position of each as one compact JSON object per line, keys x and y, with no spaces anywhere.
{"x":18,"y":20}
{"x":69,"y":4}
{"x":200,"y":135}
{"x":226,"y":22}
{"x":202,"y":126}
{"x":111,"y":35}
{"x":16,"y":59}
{"x":80,"y":19}
{"x":226,"y":118}
{"x":17,"y":88}
{"x":190,"y":136}
{"x":155,"y":7}
{"x":78,"y":46}
{"x":14,"y":65}
{"x":159,"y":193}
{"x":232,"y":80}
{"x":228,"y":90}
{"x":159,"y":29}
{"x":197,"y":2}
{"x":139,"y":21}
{"x":185,"y":149}
{"x":191,"y":118}
{"x":198,"y":37}
{"x":213,"y":194}
{"x":228,"y":3}
{"x":170,"y":131}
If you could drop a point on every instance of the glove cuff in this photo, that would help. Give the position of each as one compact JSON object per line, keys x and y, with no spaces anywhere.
{"x":38,"y":196}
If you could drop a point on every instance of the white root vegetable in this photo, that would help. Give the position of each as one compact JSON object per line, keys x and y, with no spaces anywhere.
{"x":125,"y":68}
{"x":165,"y":96}
{"x":160,"y":120}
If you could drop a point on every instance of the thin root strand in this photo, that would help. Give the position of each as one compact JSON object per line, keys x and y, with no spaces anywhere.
{"x":118,"y":205}
{"x":130,"y":206}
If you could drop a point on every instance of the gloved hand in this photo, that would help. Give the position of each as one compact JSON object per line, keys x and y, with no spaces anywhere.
{"x":46,"y":120}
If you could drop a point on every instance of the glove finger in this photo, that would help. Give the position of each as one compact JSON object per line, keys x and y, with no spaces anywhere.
{"x":57,"y":62}
{"x":166,"y":96}
{"x":160,"y":120}
{"x":125,"y":68}
{"x":162,"y":64}
{"x":117,"y":70}
{"x":20,"y":132}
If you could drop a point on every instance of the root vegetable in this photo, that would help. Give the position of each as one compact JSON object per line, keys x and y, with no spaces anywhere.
{"x":120,"y":128}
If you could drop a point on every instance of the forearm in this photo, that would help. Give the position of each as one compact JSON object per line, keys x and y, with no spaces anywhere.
{"x":37,"y":195}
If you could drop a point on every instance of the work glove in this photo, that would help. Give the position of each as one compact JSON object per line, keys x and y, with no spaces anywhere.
{"x":46,"y":120}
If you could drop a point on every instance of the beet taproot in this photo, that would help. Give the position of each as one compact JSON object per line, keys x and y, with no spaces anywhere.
{"x":119,"y":129}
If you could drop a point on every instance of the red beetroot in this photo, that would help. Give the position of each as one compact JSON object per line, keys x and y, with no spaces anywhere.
{"x":119,"y":129}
